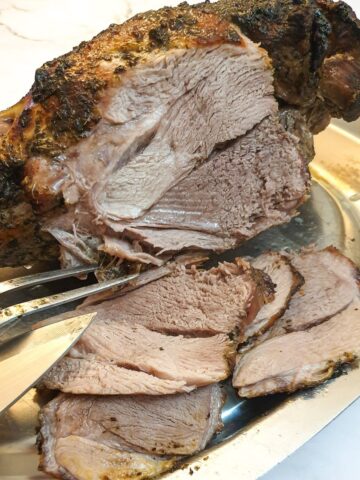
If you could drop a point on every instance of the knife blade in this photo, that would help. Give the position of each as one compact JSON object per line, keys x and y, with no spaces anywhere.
{"x":25,"y":360}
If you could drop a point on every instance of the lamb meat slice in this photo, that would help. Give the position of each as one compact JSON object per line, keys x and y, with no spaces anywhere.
{"x":188,"y":301}
{"x":147,"y":276}
{"x":79,"y":458}
{"x":287,"y":281}
{"x":331,"y":284}
{"x":147,"y":434}
{"x":300,"y":359}
{"x":187,"y":362}
{"x":191,"y":301}
{"x":94,"y":377}
{"x":197,"y":361}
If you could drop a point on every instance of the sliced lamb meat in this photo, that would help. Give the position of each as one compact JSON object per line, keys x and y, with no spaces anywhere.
{"x":300,"y":359}
{"x":287,"y":281}
{"x":128,"y":434}
{"x":79,"y":458}
{"x":198,"y":361}
{"x":101,"y":358}
{"x":135,"y":344}
{"x":74,"y":375}
{"x":331,"y":283}
{"x":188,"y":259}
{"x":228,"y":202}
{"x":190,"y":301}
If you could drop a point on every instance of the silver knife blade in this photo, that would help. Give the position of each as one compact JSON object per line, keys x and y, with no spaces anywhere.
{"x":24,"y":361}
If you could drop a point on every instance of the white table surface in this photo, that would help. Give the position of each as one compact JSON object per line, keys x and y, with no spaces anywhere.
{"x":34,"y":31}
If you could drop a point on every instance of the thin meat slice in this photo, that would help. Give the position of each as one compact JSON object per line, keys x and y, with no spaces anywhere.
{"x":300,"y":359}
{"x":74,"y":375}
{"x":188,"y":259}
{"x":198,"y":361}
{"x":190,"y":301}
{"x":188,"y":362}
{"x":193,"y":302}
{"x":86,"y":433}
{"x":331,"y":284}
{"x":287,"y":281}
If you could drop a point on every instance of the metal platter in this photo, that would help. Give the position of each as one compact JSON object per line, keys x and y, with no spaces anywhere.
{"x":258,"y":433}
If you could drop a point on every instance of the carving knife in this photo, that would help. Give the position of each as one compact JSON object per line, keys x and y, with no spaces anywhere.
{"x":26,"y":359}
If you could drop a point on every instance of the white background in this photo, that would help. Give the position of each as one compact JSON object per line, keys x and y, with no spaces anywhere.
{"x":34,"y":31}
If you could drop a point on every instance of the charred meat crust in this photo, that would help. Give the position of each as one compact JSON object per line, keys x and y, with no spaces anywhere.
{"x":61,"y":107}
{"x":302,"y":39}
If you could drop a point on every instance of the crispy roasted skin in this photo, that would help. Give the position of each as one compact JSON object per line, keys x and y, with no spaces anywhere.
{"x":314,"y":47}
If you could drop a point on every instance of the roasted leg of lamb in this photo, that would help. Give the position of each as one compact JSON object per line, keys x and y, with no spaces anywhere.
{"x":174,"y":131}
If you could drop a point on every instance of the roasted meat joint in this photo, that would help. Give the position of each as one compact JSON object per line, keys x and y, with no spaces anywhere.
{"x":183,"y":128}
{"x":178,"y":134}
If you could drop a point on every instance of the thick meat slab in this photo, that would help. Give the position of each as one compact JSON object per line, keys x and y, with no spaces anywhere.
{"x":287,"y":281}
{"x":125,"y":435}
{"x":300,"y":359}
{"x":151,"y":105}
{"x":331,"y":284}
{"x":228,"y":202}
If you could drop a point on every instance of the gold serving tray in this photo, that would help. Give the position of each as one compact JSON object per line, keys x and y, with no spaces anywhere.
{"x":258,"y":433}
